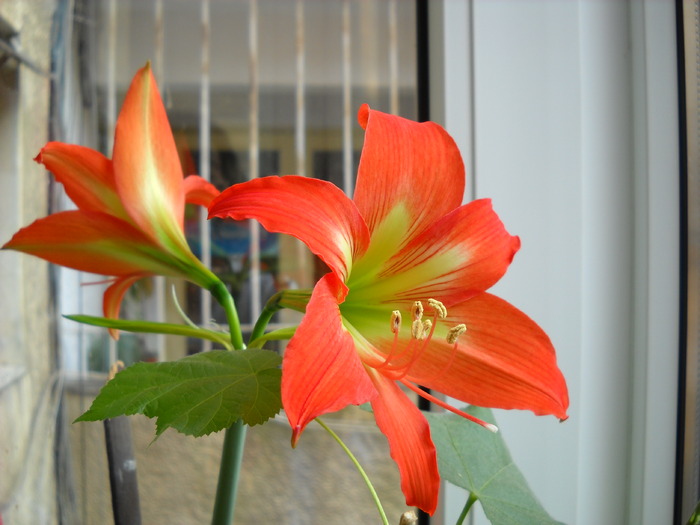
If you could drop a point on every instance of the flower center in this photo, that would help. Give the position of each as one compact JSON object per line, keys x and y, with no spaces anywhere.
{"x":399,"y":360}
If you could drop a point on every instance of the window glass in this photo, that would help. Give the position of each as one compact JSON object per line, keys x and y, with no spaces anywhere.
{"x":252,"y":88}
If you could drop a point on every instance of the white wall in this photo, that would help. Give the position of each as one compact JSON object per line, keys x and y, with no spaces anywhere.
{"x":566,"y":115}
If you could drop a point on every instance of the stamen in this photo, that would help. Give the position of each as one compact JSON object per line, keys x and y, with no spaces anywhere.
{"x":395,"y":325}
{"x":489,"y":426}
{"x":427,"y":327}
{"x":454,"y":333}
{"x":417,"y":329}
{"x":422,"y":331}
{"x":395,"y":321}
{"x":417,"y":310}
{"x":438,"y":307}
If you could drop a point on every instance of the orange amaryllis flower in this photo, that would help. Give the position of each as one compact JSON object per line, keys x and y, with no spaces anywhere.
{"x":129,"y":221}
{"x":404,"y":246}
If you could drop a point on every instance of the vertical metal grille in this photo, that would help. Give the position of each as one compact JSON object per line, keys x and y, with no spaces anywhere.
{"x":204,"y":156}
{"x":347,"y":100}
{"x":245,"y":106}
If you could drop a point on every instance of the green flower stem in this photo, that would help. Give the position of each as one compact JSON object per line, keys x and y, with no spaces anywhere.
{"x":222,"y":295}
{"x":468,"y":505}
{"x":378,"y":503}
{"x":281,"y":334}
{"x":270,"y":309}
{"x":234,"y":439}
{"x":229,"y":473}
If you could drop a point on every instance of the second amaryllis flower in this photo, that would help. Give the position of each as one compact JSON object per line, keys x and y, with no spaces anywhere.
{"x":405,"y":303}
{"x":129,"y":221}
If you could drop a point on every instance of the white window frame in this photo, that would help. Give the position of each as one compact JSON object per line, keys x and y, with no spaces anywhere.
{"x":595,"y":198}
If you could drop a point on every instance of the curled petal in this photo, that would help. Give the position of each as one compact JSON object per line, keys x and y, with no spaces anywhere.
{"x":199,"y":191}
{"x":314,"y":211}
{"x":410,"y":163}
{"x":410,"y":443}
{"x":113,"y":296}
{"x":321,"y":371}
{"x":147,"y":166}
{"x":86,"y":175}
{"x":503,"y":360}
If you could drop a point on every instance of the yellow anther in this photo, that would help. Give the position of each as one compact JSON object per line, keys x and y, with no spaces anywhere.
{"x":417,"y":329}
{"x":454,"y":333}
{"x":438,"y":307}
{"x":427,"y":325}
{"x":417,"y":310}
{"x":395,"y":321}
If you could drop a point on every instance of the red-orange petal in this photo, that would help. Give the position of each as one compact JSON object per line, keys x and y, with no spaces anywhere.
{"x":147,"y":166}
{"x":86,"y":175}
{"x":112,"y":299}
{"x":321,"y":370}
{"x":314,"y":211}
{"x":89,"y":242}
{"x":417,"y":164}
{"x":410,"y":443}
{"x":504,"y":360}
{"x":199,"y":191}
{"x":464,"y":253}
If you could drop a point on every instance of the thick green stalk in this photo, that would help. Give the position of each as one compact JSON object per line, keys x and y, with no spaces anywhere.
{"x":229,"y":473}
{"x":472,"y":499}
{"x":234,"y":439}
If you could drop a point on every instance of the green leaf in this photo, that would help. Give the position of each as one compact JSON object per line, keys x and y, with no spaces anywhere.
{"x":152,"y":327}
{"x":695,"y":518}
{"x":477,"y":460}
{"x":196,"y":395}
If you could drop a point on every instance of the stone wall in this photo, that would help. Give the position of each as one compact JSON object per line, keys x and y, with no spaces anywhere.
{"x":27,"y":366}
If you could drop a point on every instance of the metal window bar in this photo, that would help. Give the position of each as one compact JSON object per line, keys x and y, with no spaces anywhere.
{"x":158,"y":71}
{"x":348,"y":175}
{"x":205,"y":158}
{"x":300,"y":117}
{"x":254,"y":154}
{"x":393,"y":59}
{"x":111,"y":119}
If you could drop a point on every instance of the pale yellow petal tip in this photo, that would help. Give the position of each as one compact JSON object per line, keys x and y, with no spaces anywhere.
{"x":492,"y":428}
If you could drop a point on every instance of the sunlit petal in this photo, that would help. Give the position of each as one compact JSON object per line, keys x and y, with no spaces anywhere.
{"x":504,"y":360}
{"x":463,"y":253}
{"x":90,"y":242}
{"x":321,"y":370}
{"x":199,"y":191}
{"x":410,"y":163}
{"x":409,"y":441}
{"x":147,"y":166}
{"x":112,"y":300}
{"x":314,"y":211}
{"x":86,"y":175}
